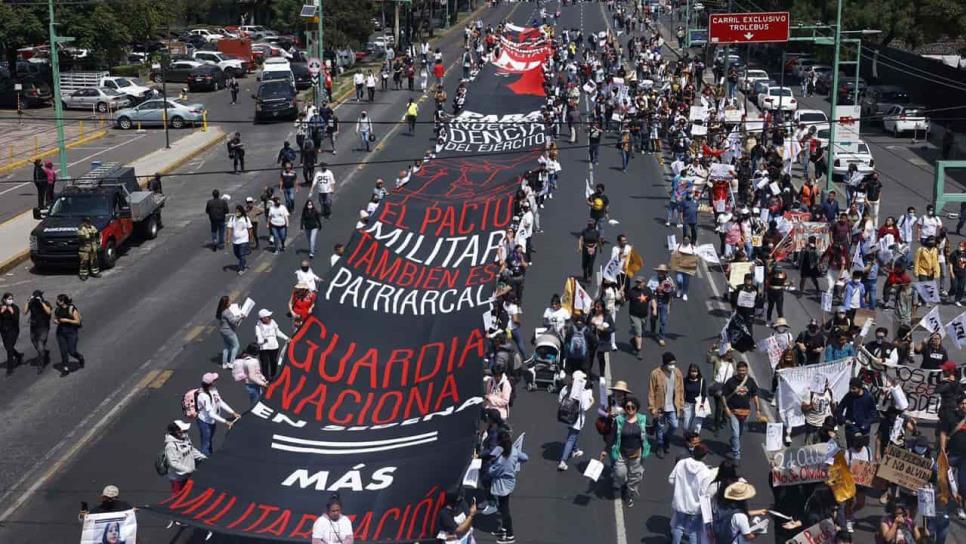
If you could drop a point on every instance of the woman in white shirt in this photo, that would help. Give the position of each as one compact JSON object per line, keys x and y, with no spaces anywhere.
{"x":267,"y":334}
{"x":556,"y":317}
{"x":239,"y":230}
{"x":332,"y":527}
{"x":209,"y":404}
{"x":278,"y":222}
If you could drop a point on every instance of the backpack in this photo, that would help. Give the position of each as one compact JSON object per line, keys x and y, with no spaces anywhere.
{"x":161,"y":463}
{"x":568,"y":411}
{"x":189,"y":403}
{"x":721,"y":525}
{"x":577,"y":348}
{"x":289,"y":155}
{"x":238,"y":371}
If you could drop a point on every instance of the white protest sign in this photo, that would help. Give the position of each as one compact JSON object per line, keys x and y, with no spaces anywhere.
{"x":588,"y":190}
{"x":928,"y":291}
{"x":110,"y":527}
{"x":957,"y":330}
{"x":822,"y":532}
{"x":612,"y":268}
{"x":794,"y":385}
{"x":724,"y":342}
{"x":708,"y":253}
{"x":827,"y":302}
{"x":719,"y":170}
{"x":932,"y":322}
{"x":746,"y":299}
{"x":472,"y":477}
{"x":594,"y":469}
{"x":671,"y":242}
{"x":773,"y":437}
{"x":866,"y":327}
{"x":927,"y":502}
{"x":759,"y":274}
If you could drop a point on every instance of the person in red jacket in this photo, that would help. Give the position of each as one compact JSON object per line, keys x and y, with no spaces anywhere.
{"x":301,"y":304}
{"x":439,"y":71}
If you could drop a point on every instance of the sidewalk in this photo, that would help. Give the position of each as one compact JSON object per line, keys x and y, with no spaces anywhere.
{"x":22,"y":142}
{"x":15,"y":232}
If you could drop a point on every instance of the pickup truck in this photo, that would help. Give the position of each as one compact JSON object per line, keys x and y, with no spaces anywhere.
{"x":72,"y":81}
{"x":100,"y":99}
{"x":229,"y":65}
{"x":111,"y":196}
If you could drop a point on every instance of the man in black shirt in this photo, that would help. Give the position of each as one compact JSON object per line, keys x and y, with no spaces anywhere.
{"x":811,"y":343}
{"x":598,"y":203}
{"x":744,"y":299}
{"x":455,"y":519}
{"x":638,"y":298}
{"x":110,"y":502}
{"x":589,"y":245}
{"x":286,"y":183}
{"x":882,"y":349}
{"x":952,"y":439}
{"x":39,"y":311}
{"x":217,"y":210}
{"x":739,"y":392}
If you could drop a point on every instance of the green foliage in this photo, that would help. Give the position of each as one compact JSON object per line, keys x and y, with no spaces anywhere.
{"x":20,"y":26}
{"x":129,"y":70}
{"x":346,"y":22}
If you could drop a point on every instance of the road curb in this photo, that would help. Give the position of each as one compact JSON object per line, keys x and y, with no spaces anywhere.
{"x":14,"y":261}
{"x":96,"y":135}
{"x":218,"y":135}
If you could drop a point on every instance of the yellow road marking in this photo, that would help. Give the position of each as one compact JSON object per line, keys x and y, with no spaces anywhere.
{"x":263,"y":266}
{"x":147,"y":379}
{"x":193,"y":333}
{"x":163,"y":376}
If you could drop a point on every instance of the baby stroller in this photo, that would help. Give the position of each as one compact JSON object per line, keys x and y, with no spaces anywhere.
{"x":543,"y":367}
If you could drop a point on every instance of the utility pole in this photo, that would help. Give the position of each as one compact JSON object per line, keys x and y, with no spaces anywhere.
{"x":833,"y":120}
{"x":55,"y":41}
{"x":318,"y":95}
{"x":727,"y":52}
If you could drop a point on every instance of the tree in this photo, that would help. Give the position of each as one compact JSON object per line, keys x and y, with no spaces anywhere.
{"x":347,"y":22}
{"x":98,"y":28}
{"x":20,"y":26}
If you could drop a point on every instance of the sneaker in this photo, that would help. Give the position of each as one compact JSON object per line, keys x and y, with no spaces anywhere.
{"x":561,"y":466}
{"x":640,"y":355}
{"x":488,"y":509}
{"x":506,"y":539}
{"x":629,"y":503}
{"x":850,"y":526}
{"x":499,"y":533}
{"x":661,"y":343}
{"x":576,"y":453}
{"x":684,"y":296}
{"x":667,"y":223}
{"x":960,"y":304}
{"x":961,"y":514}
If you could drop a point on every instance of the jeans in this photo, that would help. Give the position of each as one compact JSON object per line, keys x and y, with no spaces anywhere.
{"x":289,"y":195}
{"x":325,"y":203}
{"x":625,"y":158}
{"x":67,"y":342}
{"x":692,"y":422}
{"x":691,"y":231}
{"x":570,"y":444}
{"x":659,"y":321}
{"x":672,"y":211}
{"x":217,"y":234}
{"x":737,"y":428}
{"x":279,"y":233}
{"x":207,"y":432}
{"x":687,"y":524}
{"x":230,"y":350}
{"x":958,"y":464}
{"x":869,"y":297}
{"x":312,"y":234}
{"x":38,"y":337}
{"x":518,"y":340}
{"x":667,"y":423}
{"x":364,"y":135}
{"x":628,"y":473}
{"x":684,"y":281}
{"x":254,"y":392}
{"x":240,"y":250}
{"x":594,"y":151}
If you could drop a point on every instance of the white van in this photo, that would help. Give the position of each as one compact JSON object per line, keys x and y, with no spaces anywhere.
{"x":277,"y":68}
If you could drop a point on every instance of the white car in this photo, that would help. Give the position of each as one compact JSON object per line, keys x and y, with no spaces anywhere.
{"x":852,"y":152}
{"x":208,"y":35}
{"x":230,"y":65}
{"x":810,"y":117}
{"x":747,"y":82}
{"x":905,"y":118}
{"x":775,"y":98}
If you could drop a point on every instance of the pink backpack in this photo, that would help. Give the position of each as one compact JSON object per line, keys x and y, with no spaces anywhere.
{"x":189,"y":403}
{"x":238,"y":370}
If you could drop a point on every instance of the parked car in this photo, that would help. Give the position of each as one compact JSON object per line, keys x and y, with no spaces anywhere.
{"x":275,"y":99}
{"x":303,"y":79}
{"x":98,"y":98}
{"x":207,"y":77}
{"x":177,"y":71}
{"x":229,"y":65}
{"x":848,"y":91}
{"x":748,"y":79}
{"x":759,"y":87}
{"x":151,"y":113}
{"x":33,"y":92}
{"x":208,"y":35}
{"x":854,"y":152}
{"x":905,"y":118}
{"x":775,"y":98}
{"x":810,"y":117}
{"x":879,"y":99}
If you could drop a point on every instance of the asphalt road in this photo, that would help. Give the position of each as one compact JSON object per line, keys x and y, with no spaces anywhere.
{"x":149,"y":335}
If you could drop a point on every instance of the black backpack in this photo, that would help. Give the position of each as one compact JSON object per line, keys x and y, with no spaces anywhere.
{"x":721,"y":525}
{"x":161,"y":464}
{"x":568,"y":411}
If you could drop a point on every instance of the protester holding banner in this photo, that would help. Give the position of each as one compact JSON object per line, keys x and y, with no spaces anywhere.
{"x":180,"y":455}
{"x":507,"y":459}
{"x":332,"y":527}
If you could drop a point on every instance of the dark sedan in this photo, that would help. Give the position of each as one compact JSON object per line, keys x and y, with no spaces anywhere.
{"x":208,"y":77}
{"x":303,"y":79}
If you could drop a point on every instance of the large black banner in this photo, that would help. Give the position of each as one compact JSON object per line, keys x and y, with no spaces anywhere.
{"x":380,"y":392}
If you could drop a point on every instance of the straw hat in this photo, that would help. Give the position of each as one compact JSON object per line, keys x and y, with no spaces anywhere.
{"x":739,"y":491}
{"x":621,"y":385}
{"x":661,"y":268}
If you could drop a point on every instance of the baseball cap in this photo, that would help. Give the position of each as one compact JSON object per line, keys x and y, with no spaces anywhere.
{"x":209,"y":378}
{"x":182,"y":425}
{"x":111,"y":492}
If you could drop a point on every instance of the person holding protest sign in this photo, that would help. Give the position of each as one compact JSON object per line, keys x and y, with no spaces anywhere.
{"x":723,"y":368}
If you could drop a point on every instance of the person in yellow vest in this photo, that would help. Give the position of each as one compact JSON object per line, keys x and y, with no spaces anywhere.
{"x":412,"y":110}
{"x":90,"y":243}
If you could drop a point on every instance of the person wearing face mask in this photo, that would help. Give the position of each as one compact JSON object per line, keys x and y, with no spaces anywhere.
{"x":306,"y":275}
{"x":240,"y":234}
{"x":881,"y":348}
{"x":10,"y":330}
{"x":311,"y":223}
{"x":811,"y":343}
{"x":665,"y":401}
{"x":180,"y":455}
{"x":68,"y":321}
{"x":40,"y":312}
{"x":278,"y":216}
{"x":267,"y":334}
{"x":928,"y":225}
{"x":809,"y":266}
{"x":926,"y":263}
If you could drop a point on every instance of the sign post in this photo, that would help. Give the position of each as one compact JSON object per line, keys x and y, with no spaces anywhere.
{"x":758,"y":27}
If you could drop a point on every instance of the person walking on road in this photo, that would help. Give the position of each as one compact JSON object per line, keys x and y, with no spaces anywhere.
{"x":10,"y":330}
{"x":324,"y":183}
{"x":180,"y":455}
{"x":286,"y":154}
{"x":236,"y":152}
{"x":412,"y":111}
{"x":311,"y":223}
{"x":68,"y":321}
{"x":364,"y":129}
{"x":278,"y":220}
{"x":254,"y":212}
{"x":575,"y":398}
{"x":210,"y":406}
{"x":739,"y":392}
{"x":359,"y":81}
{"x":662,"y":289}
{"x":88,"y":251}
{"x":240,"y":233}
{"x":306,"y":275}
{"x":503,"y":480}
{"x":247,"y":369}
{"x":40,"y":312}
{"x":638,"y":298}
{"x":665,"y":401}
{"x":627,"y":447}
{"x":689,"y":477}
{"x":228,"y":322}
{"x":40,"y":182}
{"x":309,"y":157}
{"x":287,"y":183}
{"x":233,"y":89}
{"x":371,"y":86}
{"x":267,"y":334}
{"x":217,"y":210}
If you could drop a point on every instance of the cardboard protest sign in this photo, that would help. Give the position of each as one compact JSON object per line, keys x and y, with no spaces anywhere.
{"x":905,"y":468}
{"x":799,"y":465}
{"x":774,"y":346}
{"x":795,"y":385}
{"x":918,"y":385}
{"x":822,"y":532}
{"x":121,"y":527}
{"x":684,"y":263}
{"x":736,"y":274}
{"x":863,"y":472}
{"x":708,"y":253}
